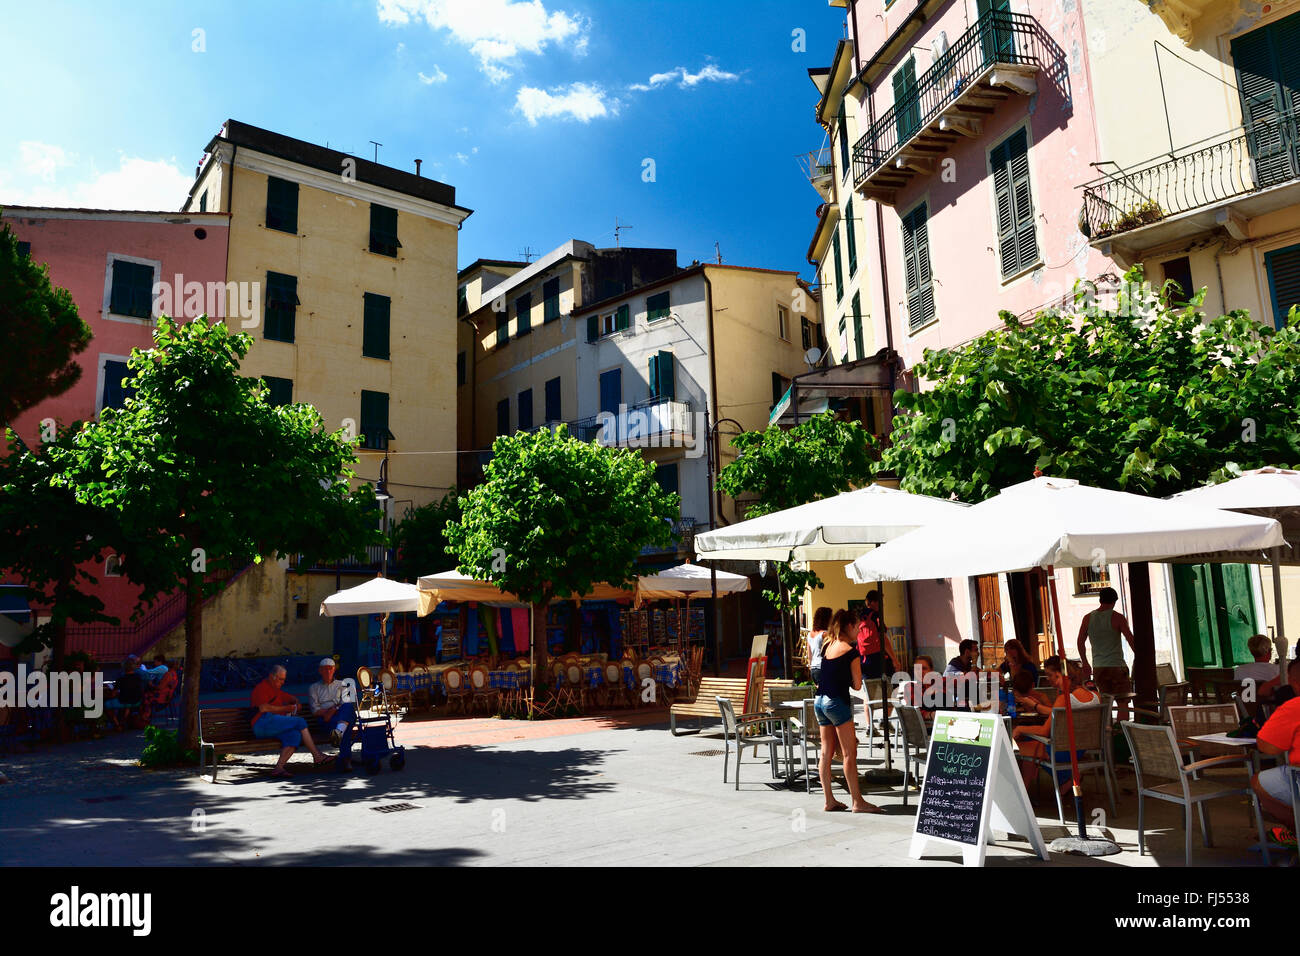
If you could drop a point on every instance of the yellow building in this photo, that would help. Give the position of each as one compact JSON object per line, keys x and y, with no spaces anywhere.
{"x":355,"y":272}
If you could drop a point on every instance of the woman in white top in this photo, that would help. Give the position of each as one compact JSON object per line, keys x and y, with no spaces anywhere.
{"x":1080,"y":699}
{"x":821,"y":621}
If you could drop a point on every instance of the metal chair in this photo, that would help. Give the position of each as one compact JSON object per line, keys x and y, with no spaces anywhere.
{"x":1165,"y":675}
{"x":1162,"y":775}
{"x":1088,"y":738}
{"x":766,"y":732}
{"x":916,"y":743}
{"x":1198,"y":719}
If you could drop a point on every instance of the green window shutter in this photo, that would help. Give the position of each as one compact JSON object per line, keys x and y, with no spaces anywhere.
{"x":281,"y":307}
{"x":281,"y":205}
{"x":25,"y":249}
{"x":1283,"y":268}
{"x":843,"y":129}
{"x":377,"y":321}
{"x":654,"y":376}
{"x":1017,"y":232}
{"x":550,"y":300}
{"x":374,"y":419}
{"x":503,"y":417}
{"x":667,"y":376}
{"x":666,"y":477}
{"x":279,"y":391}
{"x":115,"y":393}
{"x":553,"y":411}
{"x":503,"y":328}
{"x":805,"y":328}
{"x":523,"y":315}
{"x":131,"y":292}
{"x":203,"y":201}
{"x":383,"y":230}
{"x":526,"y":409}
{"x":622,"y":318}
{"x":1268,"y":81}
{"x":657,"y":307}
{"x":839,"y":267}
{"x":593,"y":327}
{"x":857,"y":324}
{"x":853,"y":241}
{"x":907,"y":109}
{"x":916,"y":260}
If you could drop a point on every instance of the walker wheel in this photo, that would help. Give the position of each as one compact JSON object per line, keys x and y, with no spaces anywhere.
{"x":397,"y":762}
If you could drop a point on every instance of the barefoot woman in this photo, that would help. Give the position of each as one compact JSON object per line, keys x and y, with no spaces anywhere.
{"x":841,"y":669}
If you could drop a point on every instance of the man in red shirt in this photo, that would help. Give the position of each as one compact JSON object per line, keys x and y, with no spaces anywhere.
{"x":277,"y":717}
{"x":1281,"y":735}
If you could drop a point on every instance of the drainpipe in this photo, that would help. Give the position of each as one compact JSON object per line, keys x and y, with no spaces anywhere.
{"x":230,"y":198}
{"x":713,"y":377}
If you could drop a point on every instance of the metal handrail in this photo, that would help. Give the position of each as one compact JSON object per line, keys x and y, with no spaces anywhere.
{"x":996,"y":37}
{"x":1222,"y":170}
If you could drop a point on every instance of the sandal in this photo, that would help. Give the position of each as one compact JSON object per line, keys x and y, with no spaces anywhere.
{"x":281,"y":773}
{"x":324,"y":759}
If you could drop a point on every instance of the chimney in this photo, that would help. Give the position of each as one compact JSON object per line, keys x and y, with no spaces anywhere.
{"x":417,"y":166}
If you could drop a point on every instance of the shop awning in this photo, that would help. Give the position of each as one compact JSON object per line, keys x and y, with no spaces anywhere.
{"x":454,"y":586}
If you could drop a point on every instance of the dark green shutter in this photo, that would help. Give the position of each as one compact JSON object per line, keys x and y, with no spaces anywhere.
{"x":281,"y":307}
{"x":662,"y":377}
{"x":996,"y":38}
{"x":857,"y":324}
{"x":374,"y":419}
{"x":1283,"y":268}
{"x":550,"y":300}
{"x":131,"y":292}
{"x":503,"y":417}
{"x":843,"y":129}
{"x":526,"y":409}
{"x":657,"y":307}
{"x":666,"y":477}
{"x":907,"y":109}
{"x":523,"y":314}
{"x":916,"y":263}
{"x":376,"y":322}
{"x":1017,"y":232}
{"x":593,"y":327}
{"x":1268,"y":80}
{"x":853,"y":241}
{"x":503,"y":328}
{"x":553,"y":411}
{"x":281,"y":204}
{"x":622,"y":318}
{"x":115,"y":394}
{"x":383,"y":230}
{"x":839,"y":267}
{"x":279,"y":391}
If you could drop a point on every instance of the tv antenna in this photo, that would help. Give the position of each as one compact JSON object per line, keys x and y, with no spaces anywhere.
{"x":376,"y":145}
{"x":619,"y":227}
{"x":528,"y":254}
{"x":717,"y":251}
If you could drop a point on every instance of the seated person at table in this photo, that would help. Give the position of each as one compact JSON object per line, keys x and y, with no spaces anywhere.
{"x":277,"y":717}
{"x":1024,"y":687}
{"x":1017,"y":660}
{"x":1081,"y":699}
{"x":964,"y":662}
{"x":914,"y":691}
{"x":164,"y":686}
{"x":1280,"y":735}
{"x":1259,"y":670}
{"x":1275,"y":692}
{"x":125,"y":701}
{"x":327,"y":700}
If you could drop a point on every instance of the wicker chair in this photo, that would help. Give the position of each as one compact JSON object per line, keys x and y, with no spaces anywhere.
{"x":575,"y":679}
{"x":1088,"y":738}
{"x":482,"y":693}
{"x":394,"y":697}
{"x":1162,"y":775}
{"x":457,"y":690}
{"x":754,"y":730}
{"x":365,"y":688}
{"x":423,"y":686}
{"x":641,"y":671}
{"x":615,"y":690}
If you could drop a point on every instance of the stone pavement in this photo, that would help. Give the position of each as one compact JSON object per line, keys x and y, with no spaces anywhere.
{"x":607,"y":791}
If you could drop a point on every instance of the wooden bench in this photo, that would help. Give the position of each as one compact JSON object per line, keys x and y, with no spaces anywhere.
{"x":705,"y":703}
{"x":227,"y":730}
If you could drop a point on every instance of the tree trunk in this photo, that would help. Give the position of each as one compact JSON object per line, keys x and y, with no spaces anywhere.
{"x":540,"y":657}
{"x":1144,"y":631}
{"x":189,"y":734}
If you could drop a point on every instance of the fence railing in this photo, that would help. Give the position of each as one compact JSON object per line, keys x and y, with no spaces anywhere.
{"x":371,"y":561}
{"x":996,"y":37}
{"x":1236,"y":163}
{"x":652,"y":418}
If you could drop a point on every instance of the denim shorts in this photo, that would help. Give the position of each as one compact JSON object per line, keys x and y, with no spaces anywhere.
{"x":288,"y":729}
{"x":832,"y":711}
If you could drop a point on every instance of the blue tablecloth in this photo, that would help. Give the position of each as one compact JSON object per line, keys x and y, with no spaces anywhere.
{"x":508,"y":680}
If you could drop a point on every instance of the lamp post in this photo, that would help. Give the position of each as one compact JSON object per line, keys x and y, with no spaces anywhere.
{"x":383,"y":498}
{"x":714,"y":515}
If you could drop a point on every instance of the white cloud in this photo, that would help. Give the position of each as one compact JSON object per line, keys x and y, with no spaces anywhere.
{"x":495,"y":31}
{"x":136,"y":184}
{"x":686,"y":79}
{"x":437,"y":77}
{"x":580,"y":101}
{"x":42,"y":159}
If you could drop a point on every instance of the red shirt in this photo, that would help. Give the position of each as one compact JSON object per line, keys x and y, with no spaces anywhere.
{"x":1282,"y":730}
{"x":268,"y":693}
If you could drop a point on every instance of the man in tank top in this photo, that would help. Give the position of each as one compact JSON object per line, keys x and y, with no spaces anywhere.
{"x":1105,"y":627}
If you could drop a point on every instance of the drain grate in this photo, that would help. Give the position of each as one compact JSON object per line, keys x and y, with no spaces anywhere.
{"x":706,"y":753}
{"x":109,"y":799}
{"x":395,"y":807}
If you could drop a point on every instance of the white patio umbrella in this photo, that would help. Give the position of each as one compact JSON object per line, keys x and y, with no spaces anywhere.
{"x":1047,"y":522}
{"x":1268,"y":493}
{"x":379,"y":595}
{"x":687,"y":581}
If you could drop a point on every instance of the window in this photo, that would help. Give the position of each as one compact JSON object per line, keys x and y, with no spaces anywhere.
{"x":1180,"y":271}
{"x":462,"y":302}
{"x":553,"y":412}
{"x":916,"y":267}
{"x":1269,"y":85}
{"x":1017,"y":233}
{"x":616,"y":321}
{"x":907,"y":108}
{"x":857,"y":325}
{"x":132,"y":289}
{"x":503,"y":417}
{"x":113,"y":393}
{"x":783,"y":322}
{"x":300,"y":610}
{"x":526,"y":409}
{"x":279,"y":391}
{"x":203,"y":201}
{"x":383,"y":230}
{"x":503,"y":328}
{"x":611,"y":390}
{"x":806,"y":336}
{"x":281,"y":307}
{"x":281,"y":205}
{"x":113,"y":566}
{"x":842,"y":134}
{"x":523,"y":315}
{"x":780,"y":384}
{"x":666,"y":477}
{"x":853,"y":239}
{"x":550,"y":300}
{"x":460,"y":368}
{"x":1283,"y":268}
{"x":24,"y":250}
{"x":1089,"y":580}
{"x":996,"y":38}
{"x":839,"y":267}
{"x":374,"y":420}
{"x":657,"y":306}
{"x":376,"y":322}
{"x":593,"y":327}
{"x":662,"y":376}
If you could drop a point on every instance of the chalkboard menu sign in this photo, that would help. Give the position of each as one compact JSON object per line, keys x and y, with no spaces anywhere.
{"x":956,"y":775}
{"x":972,"y":788}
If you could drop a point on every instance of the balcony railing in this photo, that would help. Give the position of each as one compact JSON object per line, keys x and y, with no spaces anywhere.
{"x":951,"y":97}
{"x":372,"y":560}
{"x":1237,"y":163}
{"x":654,"y":423}
{"x":819,"y":167}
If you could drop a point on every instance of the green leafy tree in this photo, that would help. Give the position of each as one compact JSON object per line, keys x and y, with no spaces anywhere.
{"x":816,"y":459}
{"x":420,"y":539}
{"x":209,"y":475}
{"x":555,"y":515}
{"x":1143,"y":397}
{"x":40,"y":332}
{"x":47,"y":537}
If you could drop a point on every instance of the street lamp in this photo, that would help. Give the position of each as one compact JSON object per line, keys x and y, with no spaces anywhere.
{"x":711,"y":450}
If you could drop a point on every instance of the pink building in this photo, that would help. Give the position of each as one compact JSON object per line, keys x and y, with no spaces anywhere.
{"x":119,"y":265}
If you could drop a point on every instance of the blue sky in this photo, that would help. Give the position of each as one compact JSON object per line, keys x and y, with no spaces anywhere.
{"x":542,"y":114}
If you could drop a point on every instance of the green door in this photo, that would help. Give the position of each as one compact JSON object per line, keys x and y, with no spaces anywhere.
{"x":1267,"y":61}
{"x":996,"y":39}
{"x":1216,"y":613}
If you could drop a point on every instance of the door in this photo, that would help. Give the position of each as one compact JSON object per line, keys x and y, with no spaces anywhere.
{"x":1216,"y":613}
{"x":611,"y":390}
{"x":1268,"y":78}
{"x":1028,"y":590}
{"x":989,"y":603}
{"x":1237,"y":613}
{"x":996,"y":40}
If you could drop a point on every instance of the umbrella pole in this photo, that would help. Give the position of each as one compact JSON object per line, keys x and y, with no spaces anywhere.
{"x":1081,"y":844}
{"x":1275,"y":560}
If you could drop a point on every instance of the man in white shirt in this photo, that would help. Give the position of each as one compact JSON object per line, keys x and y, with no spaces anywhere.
{"x":1259,"y":670}
{"x":327,"y":698}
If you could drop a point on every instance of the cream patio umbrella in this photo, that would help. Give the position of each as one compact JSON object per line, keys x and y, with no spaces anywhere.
{"x":379,"y":595}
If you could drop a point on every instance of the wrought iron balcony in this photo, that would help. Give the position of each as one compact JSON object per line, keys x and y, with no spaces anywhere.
{"x":654,"y":423}
{"x":683,"y":539}
{"x":819,"y":167}
{"x":1223,"y":181}
{"x":1000,"y":55}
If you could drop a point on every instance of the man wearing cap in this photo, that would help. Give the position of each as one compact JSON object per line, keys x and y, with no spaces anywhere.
{"x":327,"y":698}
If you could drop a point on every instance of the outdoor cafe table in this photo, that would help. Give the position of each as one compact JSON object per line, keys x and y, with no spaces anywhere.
{"x":1240,"y":743}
